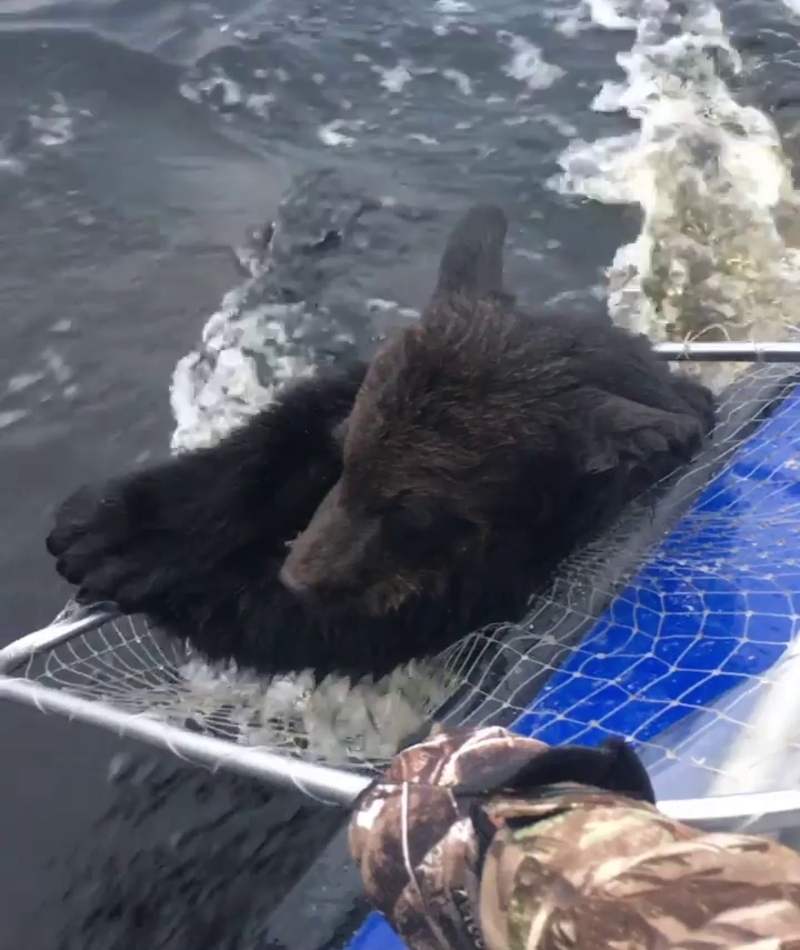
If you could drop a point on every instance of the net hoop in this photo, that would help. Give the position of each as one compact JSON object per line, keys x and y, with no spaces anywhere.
{"x":758,"y":813}
{"x":727,"y":807}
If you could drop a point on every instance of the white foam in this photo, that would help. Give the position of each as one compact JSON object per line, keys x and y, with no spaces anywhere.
{"x":23,"y":381}
{"x":337,"y":720}
{"x":223,"y":93}
{"x":10,"y":416}
{"x":587,"y":14}
{"x":55,"y":125}
{"x":221,"y":386}
{"x":47,"y":127}
{"x":528,"y":65}
{"x":56,"y":365}
{"x":453,"y":6}
{"x":461,"y":80}
{"x":49,"y":378}
{"x":332,"y":135}
{"x":422,"y":139}
{"x":394,"y":79}
{"x":610,"y":15}
{"x":217,"y":86}
{"x":712,"y":258}
{"x":10,"y":164}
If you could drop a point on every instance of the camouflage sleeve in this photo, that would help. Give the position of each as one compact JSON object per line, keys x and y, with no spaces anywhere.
{"x":482,"y":839}
{"x":603,"y":871}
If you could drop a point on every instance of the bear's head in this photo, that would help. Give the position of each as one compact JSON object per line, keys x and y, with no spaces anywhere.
{"x":416,"y":448}
{"x":432,"y":459}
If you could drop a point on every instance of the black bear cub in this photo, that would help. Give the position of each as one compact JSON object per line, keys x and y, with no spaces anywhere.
{"x":375,"y":514}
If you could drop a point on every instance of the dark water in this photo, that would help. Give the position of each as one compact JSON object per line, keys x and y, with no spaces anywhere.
{"x":140,"y":142}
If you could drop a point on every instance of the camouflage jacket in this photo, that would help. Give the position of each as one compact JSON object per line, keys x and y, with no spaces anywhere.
{"x":459,"y":852}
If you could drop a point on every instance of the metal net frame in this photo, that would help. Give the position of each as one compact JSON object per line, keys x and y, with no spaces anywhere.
{"x":596,"y":655}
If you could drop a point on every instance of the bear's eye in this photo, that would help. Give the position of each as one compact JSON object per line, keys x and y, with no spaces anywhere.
{"x":418,"y":515}
{"x":421,"y":528}
{"x":408,"y":517}
{"x":425,"y":523}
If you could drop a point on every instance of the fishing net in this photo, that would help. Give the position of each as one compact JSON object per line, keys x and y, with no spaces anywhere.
{"x":679,"y":620}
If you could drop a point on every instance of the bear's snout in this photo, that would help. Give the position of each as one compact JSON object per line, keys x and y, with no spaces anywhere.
{"x":334,"y":558}
{"x":292,"y":583}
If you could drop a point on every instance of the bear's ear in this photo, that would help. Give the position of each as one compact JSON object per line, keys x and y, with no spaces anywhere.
{"x":472,"y":262}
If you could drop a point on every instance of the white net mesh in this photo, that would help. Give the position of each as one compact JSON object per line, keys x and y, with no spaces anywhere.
{"x":669,"y":631}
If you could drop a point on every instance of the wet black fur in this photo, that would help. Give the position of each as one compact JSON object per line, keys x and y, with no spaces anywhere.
{"x":196,"y":542}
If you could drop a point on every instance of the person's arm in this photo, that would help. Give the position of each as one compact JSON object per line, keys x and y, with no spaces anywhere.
{"x":482,"y":839}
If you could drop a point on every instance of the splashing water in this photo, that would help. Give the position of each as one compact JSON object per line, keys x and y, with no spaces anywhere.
{"x":717,"y":255}
{"x":268,"y":330}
